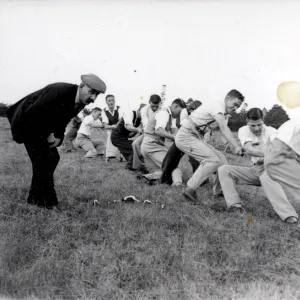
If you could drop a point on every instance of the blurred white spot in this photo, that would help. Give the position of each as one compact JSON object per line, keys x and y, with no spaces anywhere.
{"x":288,"y":94}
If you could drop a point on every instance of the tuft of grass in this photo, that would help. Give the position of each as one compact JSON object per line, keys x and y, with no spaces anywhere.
{"x":137,"y":251}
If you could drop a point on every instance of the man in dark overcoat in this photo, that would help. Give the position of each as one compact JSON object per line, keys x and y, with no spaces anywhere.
{"x":39,"y":121}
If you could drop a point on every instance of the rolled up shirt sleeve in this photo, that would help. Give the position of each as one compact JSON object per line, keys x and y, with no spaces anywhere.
{"x":216,"y":109}
{"x":162,"y":119}
{"x":183,"y":115}
{"x":128,"y":117}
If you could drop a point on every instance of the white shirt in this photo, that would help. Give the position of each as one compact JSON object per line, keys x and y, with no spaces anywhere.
{"x":245,"y":135}
{"x":128,"y":118}
{"x":207,"y":112}
{"x":146,"y":114}
{"x":162,"y":118}
{"x":289,"y":133}
{"x":183,"y":115}
{"x":87,"y":124}
{"x":104,"y":116}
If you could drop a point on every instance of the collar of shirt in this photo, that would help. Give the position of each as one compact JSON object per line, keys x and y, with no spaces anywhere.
{"x":261,"y":140}
{"x":264,"y":132}
{"x":113,"y":112}
{"x":262,"y":137}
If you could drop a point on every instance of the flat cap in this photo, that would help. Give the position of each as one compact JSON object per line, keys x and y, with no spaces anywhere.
{"x":94,"y":82}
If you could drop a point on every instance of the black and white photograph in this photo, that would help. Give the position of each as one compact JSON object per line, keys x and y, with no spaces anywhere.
{"x":149,"y":150}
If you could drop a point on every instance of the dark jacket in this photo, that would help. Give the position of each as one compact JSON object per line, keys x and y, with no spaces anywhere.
{"x":45,"y":111}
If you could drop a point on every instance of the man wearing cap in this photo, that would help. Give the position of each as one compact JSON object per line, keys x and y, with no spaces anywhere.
{"x":147,"y":112}
{"x":39,"y":121}
{"x":161,"y":126}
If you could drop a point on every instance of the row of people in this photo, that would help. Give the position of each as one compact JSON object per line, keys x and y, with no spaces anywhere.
{"x":154,"y":125}
{"x":275,"y":154}
{"x":111,"y":118}
{"x":191,"y":140}
{"x":120,"y":128}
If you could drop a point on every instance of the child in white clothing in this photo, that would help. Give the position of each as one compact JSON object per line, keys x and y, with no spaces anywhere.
{"x":92,"y":147}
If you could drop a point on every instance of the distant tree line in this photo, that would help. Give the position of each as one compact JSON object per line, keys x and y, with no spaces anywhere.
{"x":3,"y":108}
{"x":275,"y":117}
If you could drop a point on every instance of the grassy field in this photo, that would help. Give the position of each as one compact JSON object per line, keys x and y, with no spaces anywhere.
{"x":137,"y":251}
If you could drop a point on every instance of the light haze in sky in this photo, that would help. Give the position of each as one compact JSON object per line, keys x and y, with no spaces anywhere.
{"x":198,"y":49}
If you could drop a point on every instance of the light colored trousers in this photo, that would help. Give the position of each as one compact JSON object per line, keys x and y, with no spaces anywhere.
{"x":189,"y":141}
{"x":137,"y":154}
{"x":231,"y":175}
{"x":282,"y":165}
{"x":92,"y":147}
{"x":111,"y":150}
{"x":154,"y":152}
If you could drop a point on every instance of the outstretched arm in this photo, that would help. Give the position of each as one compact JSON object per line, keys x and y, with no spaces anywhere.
{"x":220,"y":119}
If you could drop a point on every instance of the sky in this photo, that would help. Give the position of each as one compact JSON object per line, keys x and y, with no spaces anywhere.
{"x":198,"y":49}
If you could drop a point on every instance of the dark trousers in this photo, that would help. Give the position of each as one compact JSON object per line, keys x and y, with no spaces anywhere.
{"x":44,"y":162}
{"x":195,"y":163}
{"x":125,"y":147}
{"x":170,"y":163}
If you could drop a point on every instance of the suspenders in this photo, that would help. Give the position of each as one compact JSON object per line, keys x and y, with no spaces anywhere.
{"x":201,"y":128}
